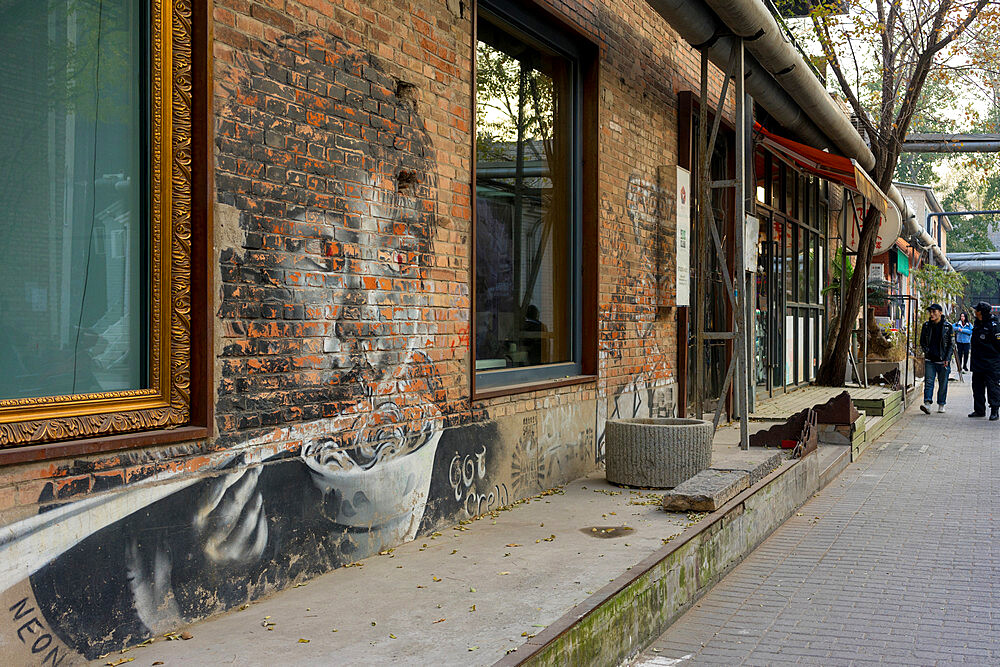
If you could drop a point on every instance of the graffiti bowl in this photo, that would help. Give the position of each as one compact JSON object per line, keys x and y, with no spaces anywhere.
{"x":656,"y":453}
{"x":384,"y":503}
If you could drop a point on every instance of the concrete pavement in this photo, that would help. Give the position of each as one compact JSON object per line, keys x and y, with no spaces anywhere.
{"x":896,"y":561}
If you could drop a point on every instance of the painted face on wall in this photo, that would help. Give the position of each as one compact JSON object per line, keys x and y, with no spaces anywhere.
{"x":354,"y":205}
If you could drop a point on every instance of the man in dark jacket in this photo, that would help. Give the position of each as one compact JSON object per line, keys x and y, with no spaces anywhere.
{"x":985,"y":362}
{"x":936,"y":342}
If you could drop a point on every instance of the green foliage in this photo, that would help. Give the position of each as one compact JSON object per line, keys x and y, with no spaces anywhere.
{"x":878,"y":290}
{"x":937,"y":285}
{"x":511,"y":101}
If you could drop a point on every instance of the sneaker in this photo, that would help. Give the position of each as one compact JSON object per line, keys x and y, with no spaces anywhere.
{"x":977,"y":415}
{"x":925,"y":408}
{"x":994,"y":415}
{"x":940,"y":409}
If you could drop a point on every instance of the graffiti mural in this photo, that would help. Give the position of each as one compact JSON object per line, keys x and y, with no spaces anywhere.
{"x":628,"y":321}
{"x":331,"y":412}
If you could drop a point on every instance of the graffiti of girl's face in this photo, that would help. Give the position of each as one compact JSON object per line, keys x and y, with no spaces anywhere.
{"x":357,"y":188}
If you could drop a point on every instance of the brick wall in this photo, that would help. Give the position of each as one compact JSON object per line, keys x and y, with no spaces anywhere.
{"x":342,"y":239}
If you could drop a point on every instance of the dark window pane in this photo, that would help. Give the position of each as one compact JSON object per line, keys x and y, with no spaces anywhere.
{"x":791,"y":191}
{"x":802,"y":264}
{"x":790,"y":261}
{"x":760,"y":175}
{"x":72,"y":198}
{"x":524,"y":233}
{"x":777,"y":183}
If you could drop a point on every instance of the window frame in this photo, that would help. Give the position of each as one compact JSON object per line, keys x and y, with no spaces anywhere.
{"x":537,"y":25}
{"x":176,"y":405}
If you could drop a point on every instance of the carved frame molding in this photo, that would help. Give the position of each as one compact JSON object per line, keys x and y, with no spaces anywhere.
{"x":167,"y":402}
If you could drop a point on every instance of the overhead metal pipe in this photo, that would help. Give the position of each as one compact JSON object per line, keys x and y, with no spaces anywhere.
{"x":968,"y":266}
{"x":786,"y":70}
{"x":699,"y":27}
{"x":933,"y":142}
{"x":951,"y":147}
{"x":960,"y":256}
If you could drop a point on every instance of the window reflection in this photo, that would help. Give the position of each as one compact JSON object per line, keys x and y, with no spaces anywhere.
{"x":523,"y":207}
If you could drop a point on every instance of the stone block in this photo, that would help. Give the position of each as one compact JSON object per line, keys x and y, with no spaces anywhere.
{"x":707,"y":491}
{"x":757,"y":467}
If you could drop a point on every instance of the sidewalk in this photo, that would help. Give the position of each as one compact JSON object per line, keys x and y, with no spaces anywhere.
{"x":477,"y":593}
{"x":897,"y":561}
{"x":464,"y":596}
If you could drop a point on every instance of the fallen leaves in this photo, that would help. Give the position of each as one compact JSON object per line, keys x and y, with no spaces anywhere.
{"x":115,"y":663}
{"x":303,"y":641}
{"x":513,"y":544}
{"x":440,"y":620}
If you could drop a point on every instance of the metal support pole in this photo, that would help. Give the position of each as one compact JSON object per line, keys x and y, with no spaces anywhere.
{"x":704,"y":219}
{"x":864,"y":337}
{"x":740,"y":348}
{"x":750,"y":278}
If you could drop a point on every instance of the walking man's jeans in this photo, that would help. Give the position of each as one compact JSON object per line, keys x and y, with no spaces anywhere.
{"x":985,"y":384}
{"x":936,"y":370}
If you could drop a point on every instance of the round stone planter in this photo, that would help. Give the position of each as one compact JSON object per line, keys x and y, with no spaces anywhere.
{"x":656,"y":453}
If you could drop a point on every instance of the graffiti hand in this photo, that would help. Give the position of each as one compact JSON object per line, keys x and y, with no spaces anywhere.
{"x":231,"y":519}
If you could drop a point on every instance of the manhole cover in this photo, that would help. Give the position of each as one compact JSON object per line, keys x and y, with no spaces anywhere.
{"x":606,"y":532}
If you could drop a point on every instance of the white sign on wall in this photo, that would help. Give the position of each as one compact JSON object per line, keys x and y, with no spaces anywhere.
{"x":888,"y":229}
{"x":751,"y":240}
{"x":683,"y":244}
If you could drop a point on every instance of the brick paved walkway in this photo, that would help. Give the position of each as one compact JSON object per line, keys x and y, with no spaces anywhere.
{"x":896,"y":562}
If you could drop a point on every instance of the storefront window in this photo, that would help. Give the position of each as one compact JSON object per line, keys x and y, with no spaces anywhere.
{"x":73,"y":199}
{"x":527,"y":212}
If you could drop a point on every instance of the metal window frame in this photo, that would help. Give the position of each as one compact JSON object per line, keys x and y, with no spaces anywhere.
{"x":44,"y":427}
{"x":529,"y":27}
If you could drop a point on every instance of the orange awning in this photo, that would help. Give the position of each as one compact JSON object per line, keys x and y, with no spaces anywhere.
{"x":836,"y":168}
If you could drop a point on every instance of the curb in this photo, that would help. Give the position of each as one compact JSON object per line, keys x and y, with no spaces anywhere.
{"x":621,"y":618}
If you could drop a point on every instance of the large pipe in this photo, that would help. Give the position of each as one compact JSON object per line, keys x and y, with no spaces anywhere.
{"x":767,"y":43}
{"x":933,"y":142}
{"x":700,"y":27}
{"x":951,"y":147}
{"x":959,"y":256}
{"x":966,"y":266}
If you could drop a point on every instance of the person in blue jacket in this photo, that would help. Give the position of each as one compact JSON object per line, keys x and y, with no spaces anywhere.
{"x":963,"y":341}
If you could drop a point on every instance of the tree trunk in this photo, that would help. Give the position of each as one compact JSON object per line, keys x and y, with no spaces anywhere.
{"x":834,"y":367}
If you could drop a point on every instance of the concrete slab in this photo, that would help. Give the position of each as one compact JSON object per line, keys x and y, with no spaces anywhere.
{"x":707,"y":491}
{"x":462,"y":597}
{"x":472,"y":593}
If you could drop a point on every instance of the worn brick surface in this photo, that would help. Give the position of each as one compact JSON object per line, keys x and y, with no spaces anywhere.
{"x":895,"y":562}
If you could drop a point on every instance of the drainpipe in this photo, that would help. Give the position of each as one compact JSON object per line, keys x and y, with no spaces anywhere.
{"x":785,"y":66}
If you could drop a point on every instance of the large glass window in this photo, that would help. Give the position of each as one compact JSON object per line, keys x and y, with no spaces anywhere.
{"x":73,"y":192}
{"x":103,"y":198}
{"x":527,"y":202}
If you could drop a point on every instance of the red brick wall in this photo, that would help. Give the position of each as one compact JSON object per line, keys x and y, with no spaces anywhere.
{"x":342,"y":234}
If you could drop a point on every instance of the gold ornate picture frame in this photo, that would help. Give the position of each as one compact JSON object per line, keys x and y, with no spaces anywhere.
{"x":166,"y":403}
